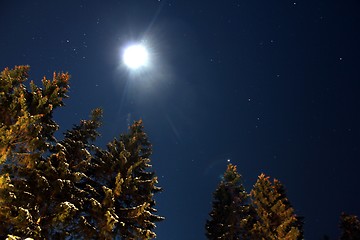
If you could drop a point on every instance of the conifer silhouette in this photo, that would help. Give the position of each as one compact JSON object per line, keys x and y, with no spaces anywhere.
{"x":231,"y":216}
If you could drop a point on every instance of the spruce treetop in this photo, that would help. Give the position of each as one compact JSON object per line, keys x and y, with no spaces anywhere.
{"x":275,"y":216}
{"x":230,"y":217}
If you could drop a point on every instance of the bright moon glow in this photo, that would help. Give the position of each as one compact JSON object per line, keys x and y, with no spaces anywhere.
{"x":135,"y":56}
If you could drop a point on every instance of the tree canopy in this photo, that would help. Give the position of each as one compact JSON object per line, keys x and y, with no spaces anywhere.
{"x":266,"y":214}
{"x":350,"y":227}
{"x":69,"y":189}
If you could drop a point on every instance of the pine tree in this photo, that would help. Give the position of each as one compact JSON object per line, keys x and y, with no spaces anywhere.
{"x":231,"y":216}
{"x":275,"y":216}
{"x":26,"y":133}
{"x":350,"y":227}
{"x":121,"y":189}
{"x":69,"y":189}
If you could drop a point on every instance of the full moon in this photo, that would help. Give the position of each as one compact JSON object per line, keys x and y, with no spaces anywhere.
{"x":135,"y":56}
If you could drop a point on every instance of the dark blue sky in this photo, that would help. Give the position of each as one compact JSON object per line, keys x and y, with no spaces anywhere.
{"x":271,"y":85}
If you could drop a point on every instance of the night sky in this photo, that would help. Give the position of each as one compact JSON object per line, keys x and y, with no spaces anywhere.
{"x":271,"y":86}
